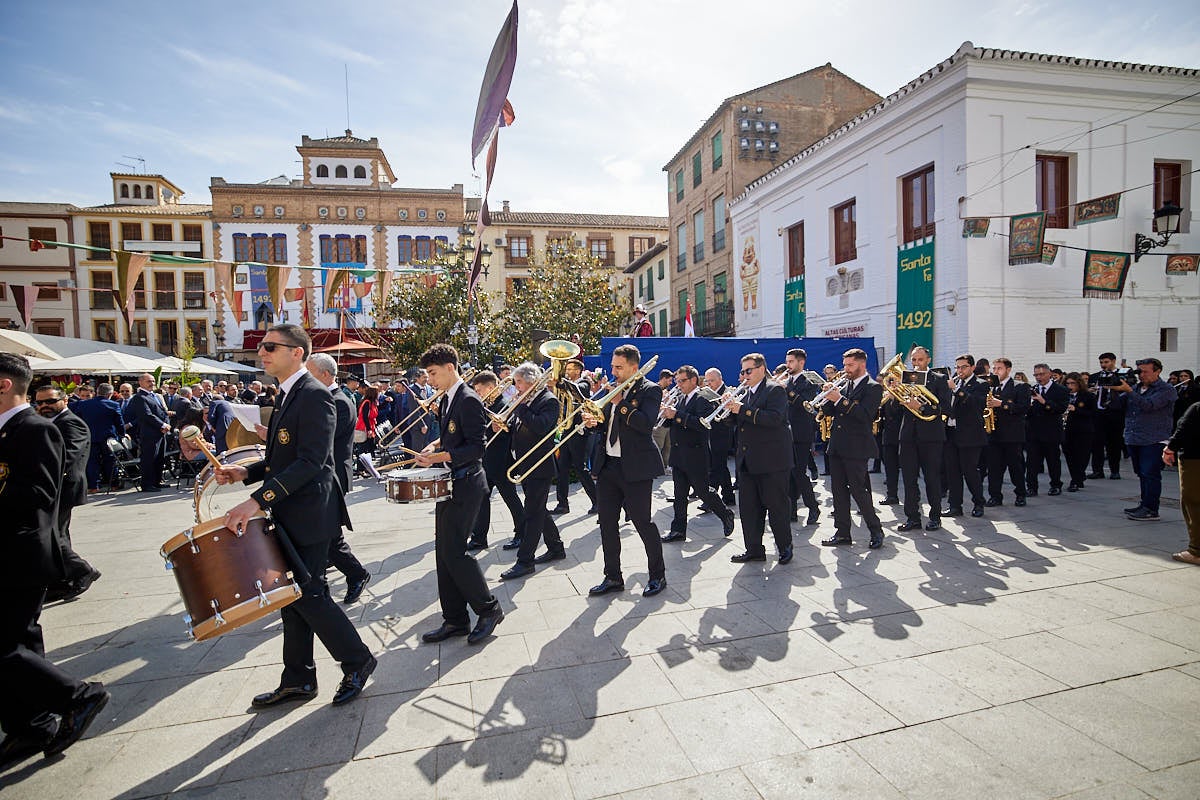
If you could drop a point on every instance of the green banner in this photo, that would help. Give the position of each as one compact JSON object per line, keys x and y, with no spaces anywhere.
{"x":914,"y":296}
{"x":793,"y":307}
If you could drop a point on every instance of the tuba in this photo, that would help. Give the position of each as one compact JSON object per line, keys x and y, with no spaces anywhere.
{"x":892,"y":379}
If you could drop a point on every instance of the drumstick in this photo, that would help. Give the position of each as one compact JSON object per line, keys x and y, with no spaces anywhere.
{"x":191,"y":432}
{"x":396,"y":464}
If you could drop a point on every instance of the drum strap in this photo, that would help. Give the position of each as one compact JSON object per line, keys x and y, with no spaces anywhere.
{"x":299,"y":570}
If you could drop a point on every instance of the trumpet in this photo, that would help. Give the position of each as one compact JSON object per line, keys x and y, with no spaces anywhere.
{"x":838,"y":382}
{"x":423,"y":407}
{"x":722,"y":410}
{"x":670,"y":401}
{"x":892,"y":378}
{"x":568,"y":427}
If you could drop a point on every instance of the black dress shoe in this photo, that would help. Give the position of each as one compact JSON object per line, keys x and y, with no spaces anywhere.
{"x":675,"y":536}
{"x":485,"y":625}
{"x":152,"y":489}
{"x":475,"y":544}
{"x":444,"y":632}
{"x":1132,"y":509}
{"x":727,"y":525}
{"x":933,"y":525}
{"x":1055,"y":491}
{"x":1031,"y":493}
{"x":743,"y":558}
{"x":909,"y":525}
{"x":15,"y":749}
{"x":593,"y":511}
{"x":354,"y":589}
{"x":956,"y":511}
{"x":284,"y":694}
{"x":75,"y":722}
{"x":1095,"y":476}
{"x":834,"y":541}
{"x":891,"y":500}
{"x":353,"y":682}
{"x":558,"y":510}
{"x":607,"y":585}
{"x":512,"y":544}
{"x":993,"y":502}
{"x":977,"y":511}
{"x":785,"y":555}
{"x":516,"y":571}
{"x":1073,"y":487}
{"x":654,"y":586}
{"x":1116,"y":476}
{"x":1019,"y":502}
{"x":876,"y":540}
{"x":549,"y":556}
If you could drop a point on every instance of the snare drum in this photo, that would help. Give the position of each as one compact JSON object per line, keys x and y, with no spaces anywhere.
{"x":213,"y":501}
{"x":418,"y":485}
{"x":228,"y":580}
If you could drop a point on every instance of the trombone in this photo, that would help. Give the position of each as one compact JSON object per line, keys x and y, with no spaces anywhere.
{"x":722,"y":410}
{"x":568,"y":428}
{"x":892,"y":379}
{"x":423,"y":407}
{"x":497,"y":390}
{"x":505,"y":415}
{"x":559,"y":351}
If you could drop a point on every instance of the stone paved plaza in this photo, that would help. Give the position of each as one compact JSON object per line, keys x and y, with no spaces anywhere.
{"x":1047,"y":651}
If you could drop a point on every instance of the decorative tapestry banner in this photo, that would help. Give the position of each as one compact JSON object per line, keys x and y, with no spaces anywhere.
{"x":1104,"y":274}
{"x":1098,"y":210}
{"x":975,"y":227}
{"x":1025,"y":235}
{"x":1182,"y":263}
{"x":1049,"y":253}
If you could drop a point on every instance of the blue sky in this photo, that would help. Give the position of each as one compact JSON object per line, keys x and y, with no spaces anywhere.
{"x":605,"y":90}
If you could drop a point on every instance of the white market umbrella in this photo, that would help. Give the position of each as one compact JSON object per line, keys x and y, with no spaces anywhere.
{"x":102,"y":362}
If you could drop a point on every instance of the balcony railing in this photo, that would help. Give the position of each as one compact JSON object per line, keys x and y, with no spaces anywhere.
{"x":719,"y":240}
{"x":715,"y":321}
{"x":698,"y":252}
{"x":681,"y":262}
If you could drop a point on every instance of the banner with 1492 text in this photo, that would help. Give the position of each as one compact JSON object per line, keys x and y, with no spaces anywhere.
{"x":914,"y":296}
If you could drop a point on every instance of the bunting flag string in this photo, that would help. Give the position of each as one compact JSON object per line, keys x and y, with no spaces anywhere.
{"x":1104,"y":274}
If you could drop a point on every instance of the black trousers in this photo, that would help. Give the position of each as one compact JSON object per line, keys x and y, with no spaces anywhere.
{"x":573,"y":455}
{"x":850,"y":480}
{"x":315,"y":613}
{"x":762,"y":497}
{"x":718,"y":468}
{"x":1077,"y":448}
{"x":695,"y":479}
{"x":344,"y":560}
{"x":539,"y":524}
{"x":962,"y":465}
{"x":916,"y":459}
{"x":152,"y":452}
{"x":1006,"y":456}
{"x":614,"y":493}
{"x":508,"y":493}
{"x":1108,"y":441}
{"x":1038,"y":453}
{"x":460,"y":580}
{"x":74,"y":566}
{"x":802,"y":488}
{"x":889,"y":454}
{"x":34,"y":687}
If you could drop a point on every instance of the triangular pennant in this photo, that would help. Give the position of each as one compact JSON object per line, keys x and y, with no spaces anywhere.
{"x":277,"y":279}
{"x":293,"y":295}
{"x":333,"y":284}
{"x":224,"y":271}
{"x":130,"y":267}
{"x":24,"y":297}
{"x":361,"y":290}
{"x":236,"y":304}
{"x":384,"y":283}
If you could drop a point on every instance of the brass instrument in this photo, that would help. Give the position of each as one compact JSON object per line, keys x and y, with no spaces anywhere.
{"x":505,"y":415}
{"x":423,"y":407}
{"x":497,"y":390}
{"x":840,"y":381}
{"x":892,"y":379}
{"x":567,"y":428}
{"x":670,"y":401}
{"x":722,"y":410}
{"x":989,"y":414}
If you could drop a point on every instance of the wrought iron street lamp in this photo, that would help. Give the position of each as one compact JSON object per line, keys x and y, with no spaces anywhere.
{"x":1166,"y":223}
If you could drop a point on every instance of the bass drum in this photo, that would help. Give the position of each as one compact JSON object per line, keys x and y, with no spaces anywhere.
{"x":213,"y":501}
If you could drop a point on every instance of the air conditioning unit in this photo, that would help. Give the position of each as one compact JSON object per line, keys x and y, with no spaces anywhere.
{"x":193,"y":302}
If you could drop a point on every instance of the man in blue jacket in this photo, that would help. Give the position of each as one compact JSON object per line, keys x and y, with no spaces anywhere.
{"x":1148,"y":426}
{"x":104,"y":420}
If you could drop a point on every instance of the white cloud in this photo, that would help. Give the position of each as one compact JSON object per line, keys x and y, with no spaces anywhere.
{"x":235,"y":70}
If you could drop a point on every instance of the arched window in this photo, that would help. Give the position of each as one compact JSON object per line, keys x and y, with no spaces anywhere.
{"x":340,"y":172}
{"x":322,"y":171}
{"x":137,"y":192}
{"x":124,"y":190}
{"x":360,"y":172}
{"x":149,"y":192}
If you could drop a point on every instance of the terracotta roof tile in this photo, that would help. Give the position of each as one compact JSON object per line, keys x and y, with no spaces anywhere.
{"x":563,"y":220}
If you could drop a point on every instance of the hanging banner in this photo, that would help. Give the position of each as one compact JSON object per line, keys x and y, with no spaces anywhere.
{"x":1026,"y":232}
{"x":1049,"y":253}
{"x":975,"y":227}
{"x":1182,"y":263}
{"x":793,"y":307}
{"x":1098,"y":210}
{"x":914,"y":296}
{"x":1104,"y":274}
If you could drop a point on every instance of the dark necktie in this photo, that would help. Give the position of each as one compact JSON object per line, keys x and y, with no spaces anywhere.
{"x":612,"y":428}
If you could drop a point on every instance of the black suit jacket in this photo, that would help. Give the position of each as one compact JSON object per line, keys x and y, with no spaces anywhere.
{"x":1010,"y":414}
{"x":689,"y":439}
{"x":764,"y":441}
{"x":31,"y":470}
{"x":147,"y":414}
{"x":462,"y":428}
{"x":77,"y":443}
{"x":529,"y":425}
{"x":966,"y":409}
{"x":915,"y":430}
{"x":1189,"y":394}
{"x":343,"y":440}
{"x":851,"y":436}
{"x":498,"y":456}
{"x":1081,"y":422}
{"x":801,"y":421}
{"x":1044,"y":422}
{"x":720,"y":436}
{"x":635,"y":418}
{"x":299,"y":486}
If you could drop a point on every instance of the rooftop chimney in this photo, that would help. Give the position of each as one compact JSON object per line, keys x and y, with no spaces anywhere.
{"x":504,"y":205}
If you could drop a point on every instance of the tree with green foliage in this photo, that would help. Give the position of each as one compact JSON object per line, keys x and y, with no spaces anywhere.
{"x":433,"y":309}
{"x":187,"y":351}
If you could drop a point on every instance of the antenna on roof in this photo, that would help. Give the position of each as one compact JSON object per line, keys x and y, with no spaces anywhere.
{"x":346,"y":66}
{"x":140,"y":161}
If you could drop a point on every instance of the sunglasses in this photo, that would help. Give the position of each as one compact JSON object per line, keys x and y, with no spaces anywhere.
{"x":271,"y":347}
{"x":747,"y":371}
{"x":45,"y":402}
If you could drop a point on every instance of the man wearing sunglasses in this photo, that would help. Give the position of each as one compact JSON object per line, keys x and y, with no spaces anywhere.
{"x":300,"y":490}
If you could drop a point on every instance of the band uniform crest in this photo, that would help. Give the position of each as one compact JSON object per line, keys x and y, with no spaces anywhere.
{"x":283,"y":436}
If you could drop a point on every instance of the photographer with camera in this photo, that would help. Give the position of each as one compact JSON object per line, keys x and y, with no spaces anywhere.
{"x":1149,"y":407}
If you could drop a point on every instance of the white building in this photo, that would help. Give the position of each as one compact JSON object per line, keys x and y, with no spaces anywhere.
{"x":985,"y":133}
